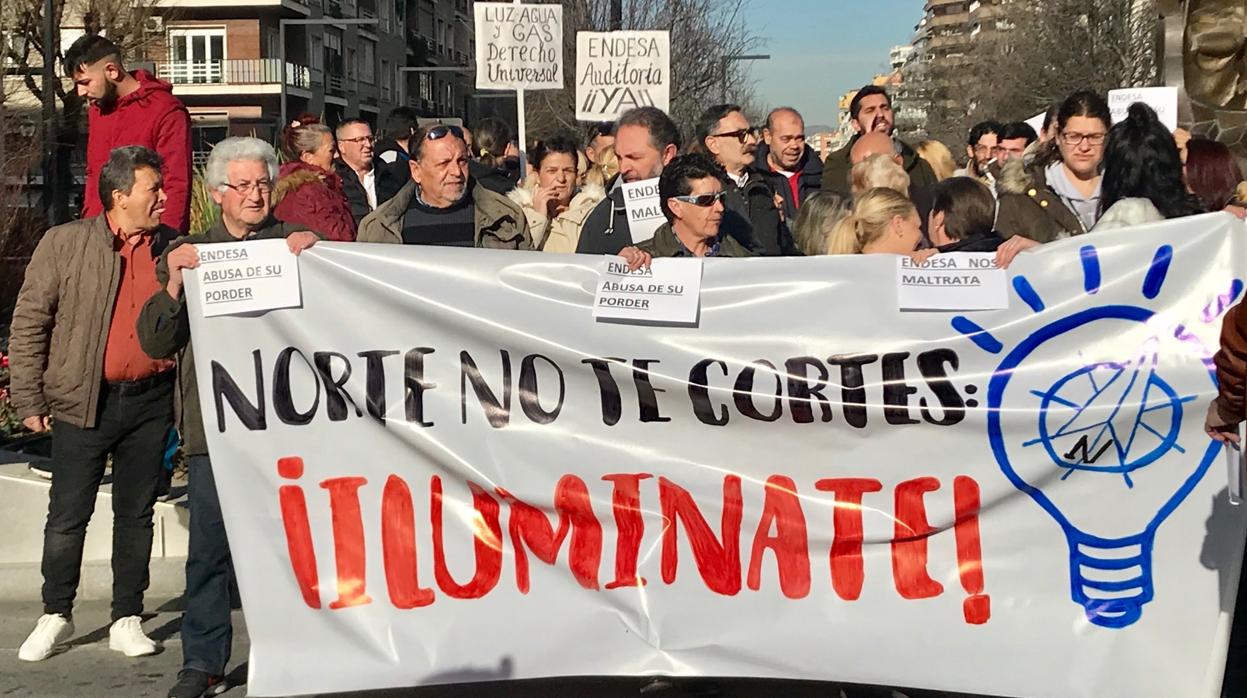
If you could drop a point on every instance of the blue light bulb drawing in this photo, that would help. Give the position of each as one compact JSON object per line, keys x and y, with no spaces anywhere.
{"x":1056,"y":432}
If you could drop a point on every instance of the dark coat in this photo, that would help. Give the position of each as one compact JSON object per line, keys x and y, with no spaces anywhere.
{"x":1027,"y":206}
{"x":500,"y":181}
{"x":809,"y":179}
{"x":164,"y":331}
{"x":754,"y":204}
{"x":313,"y":198}
{"x":666,"y":244}
{"x":983,"y":243}
{"x":387,"y":185}
{"x":838,"y":166}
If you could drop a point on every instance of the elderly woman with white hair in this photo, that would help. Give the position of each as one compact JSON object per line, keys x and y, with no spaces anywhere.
{"x":241,"y":173}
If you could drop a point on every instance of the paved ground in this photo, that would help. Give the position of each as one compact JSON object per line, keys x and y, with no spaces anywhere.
{"x":88,"y":669}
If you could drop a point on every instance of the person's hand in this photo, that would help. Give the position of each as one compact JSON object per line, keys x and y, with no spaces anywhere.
{"x":183,"y":257}
{"x":1180,"y":138}
{"x":38,"y":423}
{"x":1217,"y":428}
{"x":297,"y":242}
{"x":635,"y":258}
{"x":545,"y":201}
{"x":921,"y":256}
{"x":1010,"y":249}
{"x":1238,"y":211}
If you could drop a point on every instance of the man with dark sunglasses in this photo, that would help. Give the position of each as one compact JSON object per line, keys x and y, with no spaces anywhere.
{"x":752,"y":216}
{"x":691,"y":194}
{"x":442,"y":205}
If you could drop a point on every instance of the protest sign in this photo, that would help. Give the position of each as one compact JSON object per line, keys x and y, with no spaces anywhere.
{"x":1036,"y":122}
{"x":644,"y":208}
{"x":519,"y":46}
{"x":476,"y":481}
{"x":1164,"y":100}
{"x":951,"y":281}
{"x":247,"y":277}
{"x":618,"y":71}
{"x":667,"y":292}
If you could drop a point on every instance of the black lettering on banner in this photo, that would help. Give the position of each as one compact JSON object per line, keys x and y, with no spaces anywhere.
{"x":931,"y":366}
{"x":698,"y":393}
{"x":497,"y":412}
{"x":646,"y":393}
{"x":374,"y":382}
{"x":743,"y":392}
{"x":224,"y":388}
{"x":853,"y":386}
{"x":530,"y":401}
{"x":415,"y":385}
{"x":895,"y":391}
{"x":283,"y":399}
{"x":335,"y":396}
{"x":612,"y":404}
{"x":801,"y":392}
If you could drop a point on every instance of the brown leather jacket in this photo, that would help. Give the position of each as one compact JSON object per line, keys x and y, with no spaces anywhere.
{"x":60,"y":324}
{"x":1231,"y":363}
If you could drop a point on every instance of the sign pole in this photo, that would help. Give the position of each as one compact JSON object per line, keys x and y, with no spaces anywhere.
{"x":523,"y":128}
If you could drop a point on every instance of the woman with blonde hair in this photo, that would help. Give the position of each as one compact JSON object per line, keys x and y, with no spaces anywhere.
{"x":604,"y":168}
{"x":883,"y":221}
{"x":817,"y":219}
{"x":879,"y":170}
{"x":939,"y":157}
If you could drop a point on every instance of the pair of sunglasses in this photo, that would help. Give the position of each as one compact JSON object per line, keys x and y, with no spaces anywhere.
{"x":739,"y":134}
{"x":438,"y":132}
{"x":702,"y":200}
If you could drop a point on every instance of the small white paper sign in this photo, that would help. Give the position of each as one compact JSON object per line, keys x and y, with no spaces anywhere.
{"x":952,"y":281}
{"x":247,"y":277}
{"x":1162,"y":99}
{"x":668,"y":293}
{"x":1036,"y":121}
{"x":644,"y":212}
{"x":519,"y":47}
{"x":618,"y":71}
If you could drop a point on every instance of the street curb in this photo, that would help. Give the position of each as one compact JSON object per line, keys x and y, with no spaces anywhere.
{"x":23,"y":581}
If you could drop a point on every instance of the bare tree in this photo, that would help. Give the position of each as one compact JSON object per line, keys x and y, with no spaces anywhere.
{"x":702,"y":32}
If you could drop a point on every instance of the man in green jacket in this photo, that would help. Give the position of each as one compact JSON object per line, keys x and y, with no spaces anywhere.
{"x":691,"y":194}
{"x":442,"y":205}
{"x":240,"y":174}
{"x":871,"y":110}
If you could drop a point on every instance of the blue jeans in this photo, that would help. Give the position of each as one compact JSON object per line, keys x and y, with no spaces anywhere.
{"x":207,"y":632}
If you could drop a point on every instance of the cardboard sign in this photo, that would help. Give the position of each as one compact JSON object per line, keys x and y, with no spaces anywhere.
{"x":952,"y":281}
{"x":519,"y":47}
{"x":667,"y":293}
{"x":1162,"y":99}
{"x":618,"y":71}
{"x":644,"y":212}
{"x":247,"y":277}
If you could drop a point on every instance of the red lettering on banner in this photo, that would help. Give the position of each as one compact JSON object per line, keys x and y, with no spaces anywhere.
{"x":791,"y":543}
{"x":398,"y":546}
{"x":909,"y":541}
{"x":977,"y":607}
{"x":718,"y":562}
{"x":486,"y":540}
{"x":629,"y":528}
{"x":348,"y":541}
{"x":847,"y":571}
{"x":298,"y":531}
{"x":529,"y":525}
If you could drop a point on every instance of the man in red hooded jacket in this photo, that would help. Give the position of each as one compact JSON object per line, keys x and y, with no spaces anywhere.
{"x":131,"y":108}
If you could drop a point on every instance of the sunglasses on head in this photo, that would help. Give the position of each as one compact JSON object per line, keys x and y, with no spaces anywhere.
{"x":738,"y":134}
{"x":702,"y":200}
{"x":442,"y":131}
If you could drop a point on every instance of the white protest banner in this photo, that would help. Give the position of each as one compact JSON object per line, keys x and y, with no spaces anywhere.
{"x":951,"y":281}
{"x":519,"y":46}
{"x":667,"y":292}
{"x":644,"y":208}
{"x":440,"y":469}
{"x":247,"y":277}
{"x":618,"y":71}
{"x":1164,"y":100}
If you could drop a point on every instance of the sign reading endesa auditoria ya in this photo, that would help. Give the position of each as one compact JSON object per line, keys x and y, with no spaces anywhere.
{"x":618,"y":71}
{"x":479,"y":481}
{"x":519,"y":46}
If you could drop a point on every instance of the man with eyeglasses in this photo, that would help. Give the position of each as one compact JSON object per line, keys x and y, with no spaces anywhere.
{"x":366,"y":180}
{"x":691,"y":194}
{"x":441,"y":205}
{"x":980,"y":151}
{"x":752,"y":216}
{"x":240,"y":175}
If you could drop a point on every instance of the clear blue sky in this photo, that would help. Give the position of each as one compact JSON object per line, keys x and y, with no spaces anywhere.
{"x":822,"y":48}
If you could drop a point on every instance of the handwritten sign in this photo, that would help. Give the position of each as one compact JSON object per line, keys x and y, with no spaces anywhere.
{"x":952,"y":281}
{"x":519,"y":47}
{"x":1164,"y":100}
{"x":644,"y":212}
{"x":247,"y":277}
{"x":618,"y":71}
{"x":667,"y":293}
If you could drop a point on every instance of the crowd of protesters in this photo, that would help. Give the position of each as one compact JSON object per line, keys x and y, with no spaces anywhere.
{"x":101,"y":344}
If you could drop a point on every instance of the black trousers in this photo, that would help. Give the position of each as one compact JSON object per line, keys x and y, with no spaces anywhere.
{"x":207,"y":632}
{"x":134,"y":421}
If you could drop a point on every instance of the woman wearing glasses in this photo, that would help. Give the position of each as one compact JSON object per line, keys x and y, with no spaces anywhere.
{"x":309,"y":192}
{"x":1063,"y":198}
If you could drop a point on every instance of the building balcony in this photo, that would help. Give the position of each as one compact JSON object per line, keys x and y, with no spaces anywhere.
{"x":298,"y":7}
{"x":239,"y":76}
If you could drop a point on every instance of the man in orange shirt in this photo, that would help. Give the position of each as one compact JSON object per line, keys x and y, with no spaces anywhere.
{"x":76,"y":359}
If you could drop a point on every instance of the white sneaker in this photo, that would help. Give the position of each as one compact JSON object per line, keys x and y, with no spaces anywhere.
{"x":126,"y":636}
{"x":51,"y":630}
